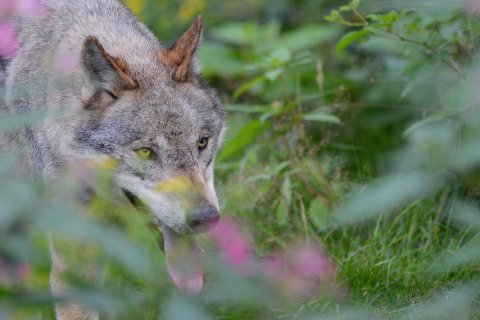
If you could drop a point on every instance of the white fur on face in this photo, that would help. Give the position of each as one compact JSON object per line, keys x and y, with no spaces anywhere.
{"x":164,"y":209}
{"x":170,"y":207}
{"x":211,"y":186}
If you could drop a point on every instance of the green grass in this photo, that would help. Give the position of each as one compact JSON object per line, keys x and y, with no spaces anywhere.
{"x":389,"y":263}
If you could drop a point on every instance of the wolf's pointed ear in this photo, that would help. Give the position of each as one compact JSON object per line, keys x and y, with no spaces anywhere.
{"x":182,"y":56}
{"x":103,"y":71}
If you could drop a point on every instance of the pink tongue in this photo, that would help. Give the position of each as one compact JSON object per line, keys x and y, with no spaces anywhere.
{"x":184,"y":261}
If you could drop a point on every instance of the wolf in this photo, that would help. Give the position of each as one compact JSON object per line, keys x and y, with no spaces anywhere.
{"x":111,"y":90}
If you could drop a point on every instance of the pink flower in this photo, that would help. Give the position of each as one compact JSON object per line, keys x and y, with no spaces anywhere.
{"x":13,"y":273}
{"x":30,"y":8}
{"x":234,"y":246}
{"x":301,"y":271}
{"x":309,"y":261}
{"x":22,"y":270}
{"x":6,"y":7}
{"x":3,"y":269}
{"x":473,"y":6}
{"x":274,"y":264}
{"x":8,"y":40}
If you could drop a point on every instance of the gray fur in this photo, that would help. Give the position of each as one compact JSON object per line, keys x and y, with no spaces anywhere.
{"x":93,"y":115}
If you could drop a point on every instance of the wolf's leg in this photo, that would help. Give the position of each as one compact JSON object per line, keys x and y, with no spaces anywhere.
{"x":67,"y":310}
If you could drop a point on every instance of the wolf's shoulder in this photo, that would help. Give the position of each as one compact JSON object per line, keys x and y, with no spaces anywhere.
{"x":66,"y":21}
{"x":84,"y":11}
{"x":82,"y":4}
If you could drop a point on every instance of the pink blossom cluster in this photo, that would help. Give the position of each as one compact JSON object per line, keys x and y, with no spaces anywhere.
{"x":473,"y":6}
{"x":12,"y":273}
{"x":299,"y":272}
{"x":234,"y":246}
{"x":302,"y":271}
{"x":26,"y":8}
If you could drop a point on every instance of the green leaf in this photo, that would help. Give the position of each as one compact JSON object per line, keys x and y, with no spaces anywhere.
{"x":387,"y":194}
{"x":333,"y":17}
{"x":247,"y":86}
{"x":384,"y":20}
{"x":184,"y":307}
{"x":373,"y":17}
{"x":320,"y":116}
{"x":281,"y":212}
{"x":305,"y":37}
{"x":247,"y":135}
{"x":391,"y":17}
{"x":247,"y":108}
{"x":280,"y":56}
{"x":318,"y":212}
{"x":15,"y":121}
{"x":218,"y":59}
{"x":287,"y":190}
{"x":353,"y":5}
{"x":245,"y":34}
{"x":236,"y":33}
{"x":448,"y":31}
{"x":273,"y":74}
{"x":453,"y":304}
{"x":351,"y":37}
{"x":466,"y":215}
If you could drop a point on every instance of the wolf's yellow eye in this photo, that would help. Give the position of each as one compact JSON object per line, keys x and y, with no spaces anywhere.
{"x":202,"y":143}
{"x":144,"y":153}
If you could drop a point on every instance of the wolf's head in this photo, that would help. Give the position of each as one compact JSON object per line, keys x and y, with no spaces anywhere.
{"x":163,"y":125}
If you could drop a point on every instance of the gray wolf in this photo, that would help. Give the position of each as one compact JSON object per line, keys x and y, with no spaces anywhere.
{"x":118,"y":93}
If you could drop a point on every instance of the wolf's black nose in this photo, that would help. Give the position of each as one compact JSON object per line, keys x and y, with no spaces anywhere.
{"x":205,"y":218}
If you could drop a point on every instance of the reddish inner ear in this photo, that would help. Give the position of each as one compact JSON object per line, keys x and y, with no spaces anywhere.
{"x":180,"y":55}
{"x":121,"y":65}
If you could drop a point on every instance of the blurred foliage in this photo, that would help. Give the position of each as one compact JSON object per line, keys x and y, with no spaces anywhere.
{"x":355,"y":124}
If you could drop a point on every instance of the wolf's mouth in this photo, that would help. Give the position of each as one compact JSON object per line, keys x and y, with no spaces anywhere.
{"x":183,"y":255}
{"x":134,"y":200}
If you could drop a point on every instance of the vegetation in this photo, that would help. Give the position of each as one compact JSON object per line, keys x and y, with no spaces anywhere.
{"x":354,"y":126}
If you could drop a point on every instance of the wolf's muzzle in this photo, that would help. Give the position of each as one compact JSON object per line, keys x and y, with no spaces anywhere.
{"x":204,"y":218}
